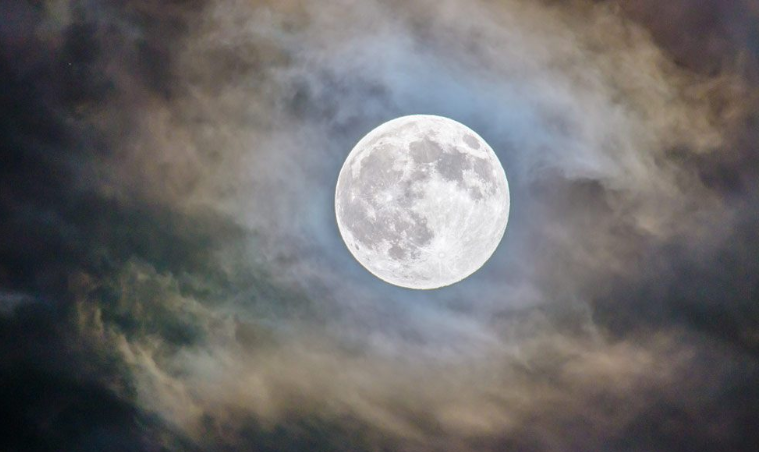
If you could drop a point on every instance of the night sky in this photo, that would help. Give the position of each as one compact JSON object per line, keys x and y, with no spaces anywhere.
{"x":172,"y":277}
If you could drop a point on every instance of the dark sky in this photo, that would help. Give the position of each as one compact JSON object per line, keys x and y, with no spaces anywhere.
{"x":172,"y":277}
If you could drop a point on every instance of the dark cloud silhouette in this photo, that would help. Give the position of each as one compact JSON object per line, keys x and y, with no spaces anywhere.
{"x":171,"y":276}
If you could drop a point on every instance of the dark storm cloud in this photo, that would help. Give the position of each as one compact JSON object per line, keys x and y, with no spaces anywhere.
{"x":59,"y":393}
{"x":171,"y":276}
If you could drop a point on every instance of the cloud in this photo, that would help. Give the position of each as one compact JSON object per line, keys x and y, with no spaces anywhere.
{"x":168,"y":204}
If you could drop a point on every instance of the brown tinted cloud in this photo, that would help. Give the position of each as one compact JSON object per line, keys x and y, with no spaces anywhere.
{"x":173,"y":279}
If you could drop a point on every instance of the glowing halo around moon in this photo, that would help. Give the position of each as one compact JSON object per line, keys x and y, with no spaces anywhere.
{"x":422,"y":202}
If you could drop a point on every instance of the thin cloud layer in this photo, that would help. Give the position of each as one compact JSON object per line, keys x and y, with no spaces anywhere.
{"x":170,"y":251}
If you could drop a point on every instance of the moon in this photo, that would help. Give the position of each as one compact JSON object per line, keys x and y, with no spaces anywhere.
{"x":422,"y":202}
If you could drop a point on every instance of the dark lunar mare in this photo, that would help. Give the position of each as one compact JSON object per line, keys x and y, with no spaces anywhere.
{"x":358,"y":201}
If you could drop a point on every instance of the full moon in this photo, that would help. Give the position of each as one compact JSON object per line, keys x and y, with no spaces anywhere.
{"x":422,"y":202}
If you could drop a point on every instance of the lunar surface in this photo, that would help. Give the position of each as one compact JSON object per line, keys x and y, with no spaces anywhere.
{"x":422,"y":202}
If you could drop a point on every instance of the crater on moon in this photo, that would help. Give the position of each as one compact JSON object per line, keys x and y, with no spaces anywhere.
{"x":422,"y":201}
